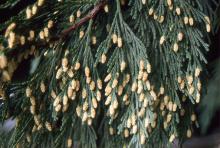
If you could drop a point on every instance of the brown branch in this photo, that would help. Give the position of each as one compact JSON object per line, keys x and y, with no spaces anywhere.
{"x":85,"y":19}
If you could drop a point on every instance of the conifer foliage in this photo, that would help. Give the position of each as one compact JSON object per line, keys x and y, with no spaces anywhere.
{"x":107,"y":72}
